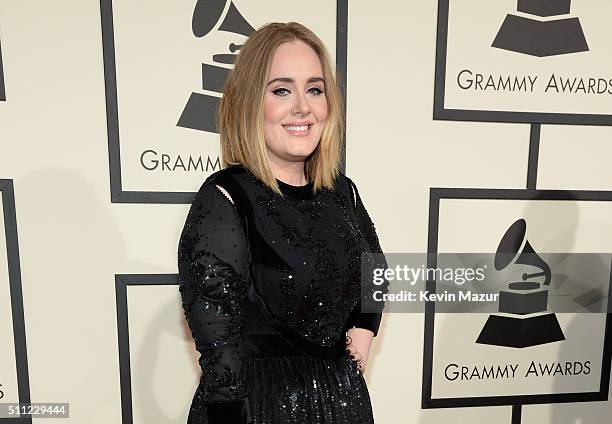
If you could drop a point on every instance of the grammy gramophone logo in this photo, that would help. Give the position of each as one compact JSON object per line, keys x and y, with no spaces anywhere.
{"x":201,"y":109}
{"x":543,"y":29}
{"x":2,"y":90}
{"x":523,"y":319}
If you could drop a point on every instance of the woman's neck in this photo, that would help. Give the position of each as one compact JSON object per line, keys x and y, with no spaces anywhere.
{"x":290,"y":172}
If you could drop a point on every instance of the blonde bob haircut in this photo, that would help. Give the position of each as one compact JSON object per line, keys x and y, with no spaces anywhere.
{"x":240,"y":114}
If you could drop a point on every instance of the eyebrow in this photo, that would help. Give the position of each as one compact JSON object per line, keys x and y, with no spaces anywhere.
{"x":291,"y":80}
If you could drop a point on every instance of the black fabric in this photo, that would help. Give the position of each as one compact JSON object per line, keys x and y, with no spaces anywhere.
{"x":271,"y":283}
{"x":237,"y":411}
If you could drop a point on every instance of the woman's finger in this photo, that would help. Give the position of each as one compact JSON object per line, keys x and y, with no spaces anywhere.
{"x":354,"y":353}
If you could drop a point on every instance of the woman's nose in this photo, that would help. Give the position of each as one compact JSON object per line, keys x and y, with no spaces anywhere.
{"x":301,"y":106}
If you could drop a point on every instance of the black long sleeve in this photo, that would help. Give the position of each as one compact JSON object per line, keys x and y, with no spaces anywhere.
{"x":213,"y":264}
{"x":367,"y":320}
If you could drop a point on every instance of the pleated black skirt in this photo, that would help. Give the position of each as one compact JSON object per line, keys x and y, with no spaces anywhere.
{"x":301,"y":389}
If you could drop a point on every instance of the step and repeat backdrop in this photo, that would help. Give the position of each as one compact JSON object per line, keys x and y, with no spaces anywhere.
{"x":472,"y":125}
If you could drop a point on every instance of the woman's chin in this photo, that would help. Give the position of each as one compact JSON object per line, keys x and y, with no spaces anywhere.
{"x":301,"y":153}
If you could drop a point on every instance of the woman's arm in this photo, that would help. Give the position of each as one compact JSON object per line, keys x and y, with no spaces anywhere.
{"x":363,"y":326}
{"x":213,"y":265}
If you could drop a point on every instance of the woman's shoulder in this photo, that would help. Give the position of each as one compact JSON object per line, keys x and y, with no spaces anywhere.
{"x":345,"y":180}
{"x":345,"y":185}
{"x":222,"y":180}
{"x":222,"y":177}
{"x":224,"y":174}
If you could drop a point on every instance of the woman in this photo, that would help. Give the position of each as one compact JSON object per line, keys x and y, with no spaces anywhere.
{"x":269,"y":258}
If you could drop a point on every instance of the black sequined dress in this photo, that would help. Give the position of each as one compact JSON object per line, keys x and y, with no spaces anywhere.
{"x":270,"y":284}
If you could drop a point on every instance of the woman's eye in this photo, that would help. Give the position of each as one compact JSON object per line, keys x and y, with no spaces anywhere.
{"x":315,"y":90}
{"x":281,"y":92}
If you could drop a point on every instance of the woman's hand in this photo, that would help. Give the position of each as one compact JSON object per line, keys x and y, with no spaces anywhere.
{"x":358,"y":341}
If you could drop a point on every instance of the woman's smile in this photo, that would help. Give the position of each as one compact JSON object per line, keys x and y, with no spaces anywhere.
{"x":298,"y":130}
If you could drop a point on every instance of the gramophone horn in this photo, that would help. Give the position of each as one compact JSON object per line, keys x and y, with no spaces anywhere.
{"x":206,"y":15}
{"x":235,"y":22}
{"x":511,"y":244}
{"x":529,"y":257}
{"x":208,"y":12}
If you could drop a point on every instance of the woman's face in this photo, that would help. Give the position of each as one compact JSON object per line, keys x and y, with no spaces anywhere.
{"x":295,"y":105}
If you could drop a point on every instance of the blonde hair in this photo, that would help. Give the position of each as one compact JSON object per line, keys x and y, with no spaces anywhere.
{"x":240,"y":114}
